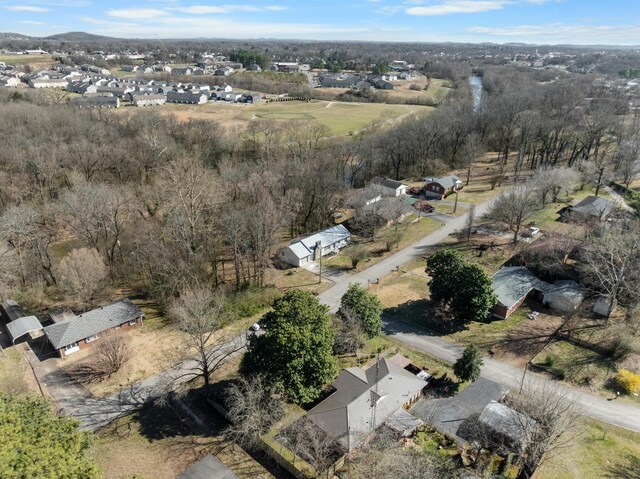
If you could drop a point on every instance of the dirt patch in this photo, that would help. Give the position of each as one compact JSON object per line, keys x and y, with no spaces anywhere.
{"x":527,"y":339}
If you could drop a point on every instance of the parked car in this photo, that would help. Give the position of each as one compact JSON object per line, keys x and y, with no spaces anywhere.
{"x":534,"y":231}
{"x":424,"y":207}
{"x":255,"y":327}
{"x":414,"y":190}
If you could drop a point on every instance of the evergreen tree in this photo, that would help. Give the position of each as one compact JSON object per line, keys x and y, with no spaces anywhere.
{"x":467,"y":367}
{"x":296,"y":350}
{"x":34,"y":442}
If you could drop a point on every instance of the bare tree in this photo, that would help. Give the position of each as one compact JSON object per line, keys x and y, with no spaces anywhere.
{"x":611,"y":260}
{"x":628,"y":161}
{"x":349,"y":333}
{"x":549,"y":183}
{"x":548,"y":419}
{"x":202,"y":315}
{"x":111,"y":354}
{"x":82,"y":274}
{"x":384,"y":457}
{"x":468,"y":225}
{"x":253,"y":409}
{"x":356,"y":253}
{"x":311,"y":443}
{"x":513,"y":208}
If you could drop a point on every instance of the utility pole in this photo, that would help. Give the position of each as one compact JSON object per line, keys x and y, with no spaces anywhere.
{"x":455,"y":205}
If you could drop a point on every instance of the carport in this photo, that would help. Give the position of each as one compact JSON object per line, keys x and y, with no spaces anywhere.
{"x":22,"y":326}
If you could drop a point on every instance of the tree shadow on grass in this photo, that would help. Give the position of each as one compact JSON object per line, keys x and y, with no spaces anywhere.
{"x":628,"y":468}
{"x":421,"y":314}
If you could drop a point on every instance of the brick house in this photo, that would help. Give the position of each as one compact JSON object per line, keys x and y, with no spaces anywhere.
{"x":440,"y":188}
{"x":70,"y":333}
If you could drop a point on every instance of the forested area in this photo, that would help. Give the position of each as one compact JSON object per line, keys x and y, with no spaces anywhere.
{"x":170,"y":204}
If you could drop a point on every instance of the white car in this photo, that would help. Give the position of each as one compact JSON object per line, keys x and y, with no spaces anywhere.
{"x":534,"y":231}
{"x":255,"y":327}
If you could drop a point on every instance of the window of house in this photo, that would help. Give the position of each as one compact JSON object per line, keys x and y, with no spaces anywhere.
{"x":132,"y":322}
{"x":92,"y":338}
{"x":71,"y":346}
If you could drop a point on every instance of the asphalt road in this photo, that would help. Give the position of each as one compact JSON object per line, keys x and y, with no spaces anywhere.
{"x":332,"y":296}
{"x":610,"y":411}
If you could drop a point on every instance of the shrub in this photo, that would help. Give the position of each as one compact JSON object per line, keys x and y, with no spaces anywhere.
{"x":628,"y":381}
{"x":620,"y":348}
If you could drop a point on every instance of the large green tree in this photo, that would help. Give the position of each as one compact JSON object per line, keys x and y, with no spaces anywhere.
{"x":35,"y":443}
{"x":364,"y":307}
{"x":463,"y":286}
{"x":467,"y":367}
{"x":296,"y":350}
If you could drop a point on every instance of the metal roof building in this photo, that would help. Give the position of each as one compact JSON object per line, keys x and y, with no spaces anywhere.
{"x":22,"y":326}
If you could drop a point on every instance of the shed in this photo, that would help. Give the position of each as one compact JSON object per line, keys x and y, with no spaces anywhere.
{"x":22,"y":326}
{"x":11,"y":311}
{"x":507,"y":426}
{"x":564,"y":296}
{"x":403,"y":423}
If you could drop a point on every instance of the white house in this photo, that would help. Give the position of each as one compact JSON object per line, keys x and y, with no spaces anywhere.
{"x":322,"y":243}
{"x":389,"y":187}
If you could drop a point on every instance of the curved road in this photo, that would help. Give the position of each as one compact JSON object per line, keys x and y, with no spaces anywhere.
{"x":611,"y":411}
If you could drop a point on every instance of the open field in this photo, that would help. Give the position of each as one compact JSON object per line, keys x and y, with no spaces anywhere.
{"x":599,"y":451}
{"x":37,"y":61}
{"x":340,"y":118}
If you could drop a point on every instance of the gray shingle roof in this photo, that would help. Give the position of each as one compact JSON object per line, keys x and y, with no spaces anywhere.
{"x":346,"y":414}
{"x":594,"y":206}
{"x":448,"y":182}
{"x":91,"y":323}
{"x":513,"y":283}
{"x":386,"y":182}
{"x":208,"y":467}
{"x":306,"y":246}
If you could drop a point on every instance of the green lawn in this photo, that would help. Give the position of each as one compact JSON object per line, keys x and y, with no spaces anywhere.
{"x":487,"y":335}
{"x":340,"y":118}
{"x":600,"y":451}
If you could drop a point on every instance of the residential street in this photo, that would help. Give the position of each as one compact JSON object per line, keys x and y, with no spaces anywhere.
{"x":614,"y":412}
{"x":332,"y":296}
{"x":611,"y":411}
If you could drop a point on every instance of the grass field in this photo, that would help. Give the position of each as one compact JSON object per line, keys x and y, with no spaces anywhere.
{"x":600,"y":451}
{"x":340,"y":118}
{"x":34,"y":60}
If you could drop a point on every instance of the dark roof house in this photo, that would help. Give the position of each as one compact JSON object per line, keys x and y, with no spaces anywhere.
{"x":592,"y":206}
{"x":441,"y":187}
{"x":72,"y":329}
{"x":363,"y":400}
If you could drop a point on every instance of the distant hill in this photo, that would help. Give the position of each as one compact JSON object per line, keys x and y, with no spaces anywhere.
{"x":13,"y":36}
{"x":78,"y":37}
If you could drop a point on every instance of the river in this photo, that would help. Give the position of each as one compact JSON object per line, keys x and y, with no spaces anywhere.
{"x":475,"y":82}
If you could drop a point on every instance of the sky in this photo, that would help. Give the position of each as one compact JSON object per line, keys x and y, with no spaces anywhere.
{"x":583,"y":22}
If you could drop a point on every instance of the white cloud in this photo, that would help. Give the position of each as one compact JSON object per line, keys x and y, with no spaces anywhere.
{"x":220,"y":9}
{"x":31,"y":22}
{"x":565,"y":33}
{"x":136,"y":13}
{"x":26,"y":8}
{"x":448,"y":7}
